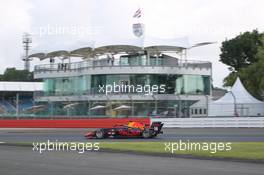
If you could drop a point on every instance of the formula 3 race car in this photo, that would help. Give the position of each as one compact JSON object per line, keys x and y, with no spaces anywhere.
{"x":131,"y":130}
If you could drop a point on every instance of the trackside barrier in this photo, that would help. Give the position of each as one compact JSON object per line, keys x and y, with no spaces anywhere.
{"x":69,"y":123}
{"x":230,"y":122}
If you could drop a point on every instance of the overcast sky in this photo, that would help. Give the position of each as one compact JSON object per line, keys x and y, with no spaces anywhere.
{"x":61,"y":22}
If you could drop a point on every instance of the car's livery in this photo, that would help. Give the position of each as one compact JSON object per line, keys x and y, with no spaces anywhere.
{"x":132,"y":129}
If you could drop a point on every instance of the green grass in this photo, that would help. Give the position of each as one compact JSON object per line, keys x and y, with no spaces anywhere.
{"x":240,"y":150}
{"x":253,"y":151}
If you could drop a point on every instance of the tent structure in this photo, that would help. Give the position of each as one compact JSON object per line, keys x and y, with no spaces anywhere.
{"x":71,"y":105}
{"x":97,"y":107}
{"x":35,"y":109}
{"x":237,"y":102}
{"x":123,"y":107}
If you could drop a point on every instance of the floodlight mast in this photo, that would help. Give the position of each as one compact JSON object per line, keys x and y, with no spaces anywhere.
{"x":27,"y":40}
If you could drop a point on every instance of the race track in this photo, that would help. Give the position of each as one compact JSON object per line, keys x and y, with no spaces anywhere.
{"x":22,"y":160}
{"x":202,"y":134}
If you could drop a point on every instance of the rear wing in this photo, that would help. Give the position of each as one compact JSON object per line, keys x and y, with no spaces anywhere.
{"x":157,"y":125}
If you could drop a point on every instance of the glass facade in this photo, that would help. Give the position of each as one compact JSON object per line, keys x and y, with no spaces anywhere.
{"x":89,"y":84}
{"x":67,"y":85}
{"x":143,"y":108}
{"x":133,"y":60}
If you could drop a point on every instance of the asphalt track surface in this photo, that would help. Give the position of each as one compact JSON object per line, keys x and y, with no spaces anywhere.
{"x":191,"y":134}
{"x":15,"y":160}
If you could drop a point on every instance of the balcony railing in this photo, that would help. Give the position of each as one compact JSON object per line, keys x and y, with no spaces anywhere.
{"x":95,"y":91}
{"x":104,"y":63}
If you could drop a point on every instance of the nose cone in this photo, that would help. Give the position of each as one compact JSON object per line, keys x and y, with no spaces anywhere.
{"x":89,"y":134}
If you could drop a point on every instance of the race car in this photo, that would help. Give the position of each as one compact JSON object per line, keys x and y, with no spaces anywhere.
{"x":131,"y":130}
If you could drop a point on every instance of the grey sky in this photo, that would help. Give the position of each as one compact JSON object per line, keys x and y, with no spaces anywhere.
{"x":200,"y":20}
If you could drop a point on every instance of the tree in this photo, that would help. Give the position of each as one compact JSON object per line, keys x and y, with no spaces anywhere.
{"x":241,"y":51}
{"x":11,"y":74}
{"x":252,"y":76}
{"x":230,"y":79}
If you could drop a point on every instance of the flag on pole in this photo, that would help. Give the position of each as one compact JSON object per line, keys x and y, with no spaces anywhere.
{"x":138,"y":29}
{"x":137,"y":14}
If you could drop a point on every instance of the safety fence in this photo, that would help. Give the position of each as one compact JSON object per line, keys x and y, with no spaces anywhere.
{"x":69,"y":123}
{"x":227,"y":122}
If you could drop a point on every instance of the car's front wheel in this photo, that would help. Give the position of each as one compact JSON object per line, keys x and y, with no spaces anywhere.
{"x":99,"y":134}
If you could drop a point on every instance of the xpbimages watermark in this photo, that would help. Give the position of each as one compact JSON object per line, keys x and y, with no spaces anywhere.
{"x":79,"y":147}
{"x":123,"y":88}
{"x":212,"y":147}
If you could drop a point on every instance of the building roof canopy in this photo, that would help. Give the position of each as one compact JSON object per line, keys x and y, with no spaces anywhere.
{"x":20,"y":86}
{"x":117,"y":45}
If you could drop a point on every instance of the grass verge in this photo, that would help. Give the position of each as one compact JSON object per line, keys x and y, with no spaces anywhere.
{"x":252,"y":151}
{"x":240,"y":150}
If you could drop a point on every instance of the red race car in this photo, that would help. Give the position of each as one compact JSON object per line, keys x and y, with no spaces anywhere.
{"x":131,"y":130}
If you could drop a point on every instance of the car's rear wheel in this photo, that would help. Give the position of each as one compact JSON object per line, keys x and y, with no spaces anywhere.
{"x":99,"y":134}
{"x":147,"y":134}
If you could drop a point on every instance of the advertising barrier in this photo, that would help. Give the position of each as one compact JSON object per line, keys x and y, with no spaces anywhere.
{"x":69,"y":123}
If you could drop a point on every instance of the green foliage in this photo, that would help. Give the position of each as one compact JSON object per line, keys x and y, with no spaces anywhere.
{"x":11,"y":74}
{"x":241,"y":51}
{"x":230,"y":79}
{"x":252,"y":75}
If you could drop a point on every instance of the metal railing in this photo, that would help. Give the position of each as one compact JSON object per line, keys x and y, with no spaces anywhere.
{"x":103,"y":63}
{"x":95,"y":91}
{"x":225,"y":122}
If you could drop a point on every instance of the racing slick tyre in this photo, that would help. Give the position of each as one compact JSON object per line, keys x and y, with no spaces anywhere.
{"x":99,"y":134}
{"x":147,"y":134}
